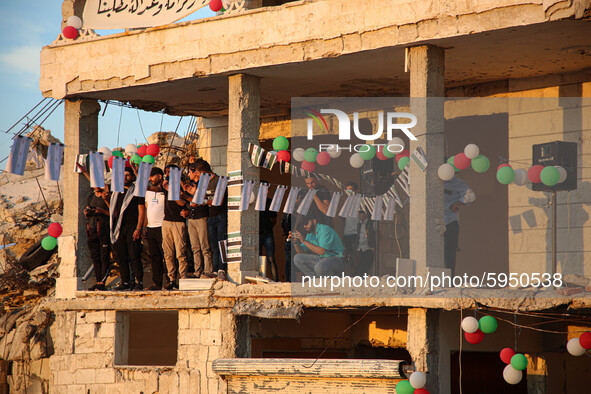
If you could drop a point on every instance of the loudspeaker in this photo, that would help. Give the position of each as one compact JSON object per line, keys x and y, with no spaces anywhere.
{"x":557,"y":153}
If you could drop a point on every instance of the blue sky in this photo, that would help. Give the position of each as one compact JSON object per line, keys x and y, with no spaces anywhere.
{"x":27,"y":26}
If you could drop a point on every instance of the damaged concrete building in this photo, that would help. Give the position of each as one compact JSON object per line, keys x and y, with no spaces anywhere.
{"x":237,"y":73}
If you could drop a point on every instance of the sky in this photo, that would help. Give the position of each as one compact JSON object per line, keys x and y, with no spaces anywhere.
{"x":27,"y":26}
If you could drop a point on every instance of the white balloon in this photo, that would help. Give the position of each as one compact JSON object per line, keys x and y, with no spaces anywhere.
{"x":356,"y":160}
{"x":418,"y":380}
{"x":512,"y":375}
{"x":251,"y":197}
{"x":445,"y":172}
{"x":563,"y":174}
{"x":471,"y":151}
{"x":574,"y":347}
{"x":397,"y":145}
{"x":520,"y":177}
{"x":333,"y":152}
{"x":130,"y":149}
{"x":75,"y":22}
{"x":298,"y":154}
{"x":470,"y":324}
{"x":106,"y":152}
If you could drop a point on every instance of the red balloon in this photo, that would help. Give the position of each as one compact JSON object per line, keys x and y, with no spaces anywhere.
{"x":380,"y":153}
{"x":55,"y":230}
{"x":506,"y":355}
{"x":307,"y":166}
{"x":585,"y":340}
{"x":127,"y":163}
{"x":323,"y":158}
{"x":283,"y":155}
{"x":421,"y":391}
{"x":534,"y":173}
{"x":475,"y":337}
{"x":153,"y":150}
{"x":215,"y":5}
{"x":503,"y":165}
{"x":70,"y":32}
{"x":461,"y":161}
{"x":404,"y":153}
{"x":142,"y":150}
{"x":111,"y":161}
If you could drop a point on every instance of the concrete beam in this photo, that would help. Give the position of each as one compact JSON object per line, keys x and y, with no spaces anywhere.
{"x":423,"y":345}
{"x":427,"y":69}
{"x":80,"y":136}
{"x":243,"y":128}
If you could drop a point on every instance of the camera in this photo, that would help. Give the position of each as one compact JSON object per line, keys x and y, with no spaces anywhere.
{"x":90,"y":211}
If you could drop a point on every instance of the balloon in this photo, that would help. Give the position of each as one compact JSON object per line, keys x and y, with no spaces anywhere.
{"x":421,"y":391}
{"x":391,"y":151}
{"x":130,"y":149}
{"x":283,"y":155}
{"x":323,"y":158}
{"x":511,"y":375}
{"x":403,"y":162}
{"x":585,"y":340}
{"x":111,"y":161}
{"x":280,"y":143}
{"x":148,"y":159}
{"x":215,"y":5}
{"x":471,"y":151}
{"x":574,"y":347}
{"x":70,"y":32}
{"x":310,"y":155}
{"x":534,"y":173}
{"x":506,"y":355}
{"x":461,"y":161}
{"x":487,"y":324}
{"x":503,"y":165}
{"x":252,"y":197}
{"x":418,"y":380}
{"x":380,"y":153}
{"x":106,"y":152}
{"x":404,"y":153}
{"x":480,"y":164}
{"x":307,"y":166}
{"x":356,"y":160}
{"x":397,"y":145}
{"x":153,"y":150}
{"x":334,"y":152}
{"x":298,"y":154}
{"x":404,"y":387}
{"x":48,"y":243}
{"x":445,"y":172}
{"x":519,"y":362}
{"x":75,"y":22}
{"x":475,"y":337}
{"x":470,"y":324}
{"x":563,"y":174}
{"x":55,"y":230}
{"x":367,"y":152}
{"x":505,"y":175}
{"x":520,"y":177}
{"x":117,"y":153}
{"x":450,"y":160}
{"x":136,"y":159}
{"x":550,"y":176}
{"x":142,"y":150}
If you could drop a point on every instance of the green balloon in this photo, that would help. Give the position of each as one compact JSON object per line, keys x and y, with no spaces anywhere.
{"x":367,"y":152}
{"x":404,"y":387}
{"x":480,"y":164}
{"x":117,"y":153}
{"x":505,"y":175}
{"x":550,"y":176}
{"x":280,"y":143}
{"x":49,"y":243}
{"x":519,"y":362}
{"x":450,"y":160}
{"x":148,"y":159}
{"x":136,"y":159}
{"x":403,"y":162}
{"x":310,"y":155}
{"x":387,"y":152}
{"x":487,"y":324}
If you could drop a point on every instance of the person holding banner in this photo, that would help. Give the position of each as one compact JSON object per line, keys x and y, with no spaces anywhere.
{"x":153,"y":227}
{"x":320,"y":252}
{"x":98,"y":234}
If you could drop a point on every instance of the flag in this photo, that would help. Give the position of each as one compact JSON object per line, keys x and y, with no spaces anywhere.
{"x":270,"y":160}
{"x":277,"y":198}
{"x":377,"y":209}
{"x":220,"y":191}
{"x":307,"y":202}
{"x":334,"y":204}
{"x":420,"y":158}
{"x":262,"y":196}
{"x":404,"y":181}
{"x":96,"y":169}
{"x":257,"y":154}
{"x":291,"y":200}
{"x":284,"y":167}
{"x":17,"y":159}
{"x":199,"y":196}
{"x":143,"y":177}
{"x":118,"y":174}
{"x":174,"y":184}
{"x":53,"y":164}
{"x":245,"y":195}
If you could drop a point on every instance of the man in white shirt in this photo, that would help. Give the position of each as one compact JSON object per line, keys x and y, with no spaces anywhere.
{"x":153,"y":229}
{"x":456,"y":194}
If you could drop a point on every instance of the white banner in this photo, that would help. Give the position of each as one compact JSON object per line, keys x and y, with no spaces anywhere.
{"x":277,"y":198}
{"x":307,"y":202}
{"x":97,"y":169}
{"x":389,"y":215}
{"x":199,"y":196}
{"x":127,"y":14}
{"x":377,"y":209}
{"x":17,"y":159}
{"x":245,"y":195}
{"x":143,"y":177}
{"x":53,"y":164}
{"x":334,"y":205}
{"x":291,"y":200}
{"x":262,"y":197}
{"x":118,"y":175}
{"x":220,"y":191}
{"x":174,"y":184}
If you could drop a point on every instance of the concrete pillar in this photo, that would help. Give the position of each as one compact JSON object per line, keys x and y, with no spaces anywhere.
{"x":427,"y":69}
{"x":423,"y":345}
{"x":80,"y":136}
{"x":243,"y":128}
